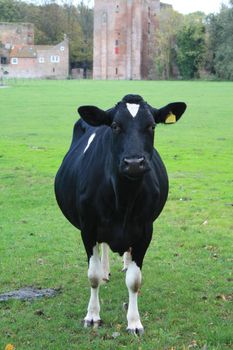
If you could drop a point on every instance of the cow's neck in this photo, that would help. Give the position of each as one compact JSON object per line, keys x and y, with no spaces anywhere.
{"x":126,"y":192}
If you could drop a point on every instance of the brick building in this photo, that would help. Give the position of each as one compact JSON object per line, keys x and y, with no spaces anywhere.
{"x":124,"y":38}
{"x":20,"y":58}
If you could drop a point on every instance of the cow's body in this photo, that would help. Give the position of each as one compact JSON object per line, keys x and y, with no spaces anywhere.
{"x":114,"y":199}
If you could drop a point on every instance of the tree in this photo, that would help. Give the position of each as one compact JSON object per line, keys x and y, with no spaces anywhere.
{"x":220,"y":38}
{"x":165,"y":43}
{"x":86,"y":21}
{"x":9,"y":10}
{"x":191,"y":46}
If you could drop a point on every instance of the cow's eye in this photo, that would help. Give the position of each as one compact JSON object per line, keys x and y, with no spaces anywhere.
{"x":116,"y":128}
{"x":151,"y":127}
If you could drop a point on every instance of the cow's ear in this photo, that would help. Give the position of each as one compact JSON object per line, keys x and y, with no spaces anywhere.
{"x":94,"y":116}
{"x":169,"y":114}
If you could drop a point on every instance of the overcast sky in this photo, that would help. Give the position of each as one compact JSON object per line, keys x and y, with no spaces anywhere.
{"x":187,"y":6}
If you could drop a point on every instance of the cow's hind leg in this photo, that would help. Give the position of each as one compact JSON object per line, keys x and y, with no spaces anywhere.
{"x":95,"y":276}
{"x":126,"y":260}
{"x":105,"y":262}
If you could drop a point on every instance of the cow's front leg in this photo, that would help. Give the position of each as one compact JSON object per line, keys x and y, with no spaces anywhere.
{"x":133,"y":282}
{"x":95,"y":275}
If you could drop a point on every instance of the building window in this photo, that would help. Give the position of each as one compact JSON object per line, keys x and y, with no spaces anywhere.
{"x":55,"y":59}
{"x":117,"y":8}
{"x":148,"y":28}
{"x":116,"y":46}
{"x":62,"y":48}
{"x":41,"y":59}
{"x":3,"y":60}
{"x":14,"y":60}
{"x":148,"y":12}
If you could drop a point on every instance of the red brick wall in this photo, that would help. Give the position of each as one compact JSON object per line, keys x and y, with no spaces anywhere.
{"x":17,"y":33}
{"x":33,"y":68}
{"x":121,"y":38}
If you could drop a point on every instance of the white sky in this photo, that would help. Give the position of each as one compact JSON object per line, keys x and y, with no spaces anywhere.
{"x":187,"y":6}
{"x":182,"y":6}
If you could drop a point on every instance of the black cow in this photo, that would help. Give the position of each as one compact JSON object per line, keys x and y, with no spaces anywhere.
{"x":112,"y":185}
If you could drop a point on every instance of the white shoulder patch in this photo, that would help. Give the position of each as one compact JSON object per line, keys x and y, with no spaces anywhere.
{"x":90,"y":140}
{"x":133,"y":109}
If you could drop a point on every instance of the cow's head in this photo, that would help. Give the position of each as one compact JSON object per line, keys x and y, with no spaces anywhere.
{"x":132,"y":122}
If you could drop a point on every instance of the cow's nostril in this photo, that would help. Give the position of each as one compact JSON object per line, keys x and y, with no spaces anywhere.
{"x":134,"y":161}
{"x":141,"y":161}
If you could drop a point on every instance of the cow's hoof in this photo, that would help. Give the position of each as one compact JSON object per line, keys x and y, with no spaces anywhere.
{"x":124,"y":269}
{"x":87,"y":323}
{"x":136,"y":331}
{"x":97,"y":324}
{"x":106,"y":277}
{"x":91,"y":323}
{"x":106,"y":280}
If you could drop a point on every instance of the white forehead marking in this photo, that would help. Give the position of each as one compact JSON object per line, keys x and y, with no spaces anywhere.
{"x":90,"y":140}
{"x":133,"y":109}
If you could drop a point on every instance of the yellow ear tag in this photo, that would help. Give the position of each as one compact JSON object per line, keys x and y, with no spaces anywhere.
{"x":170,"y":119}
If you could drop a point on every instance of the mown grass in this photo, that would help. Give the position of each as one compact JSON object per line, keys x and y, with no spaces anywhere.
{"x":186,"y":297}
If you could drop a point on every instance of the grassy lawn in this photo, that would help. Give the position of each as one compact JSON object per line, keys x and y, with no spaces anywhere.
{"x":186,"y":297}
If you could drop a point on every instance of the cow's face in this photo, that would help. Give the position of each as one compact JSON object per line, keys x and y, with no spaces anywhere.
{"x":132,"y":122}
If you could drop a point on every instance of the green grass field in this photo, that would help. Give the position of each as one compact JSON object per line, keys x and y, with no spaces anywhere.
{"x":186,"y":296}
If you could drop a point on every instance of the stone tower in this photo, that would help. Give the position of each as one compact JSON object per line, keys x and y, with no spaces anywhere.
{"x":123,"y":38}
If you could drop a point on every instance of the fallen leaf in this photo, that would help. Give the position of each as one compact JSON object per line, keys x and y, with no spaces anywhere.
{"x":40,"y":261}
{"x":224,"y":297}
{"x":115,"y":335}
{"x":193,"y":344}
{"x":221,"y":297}
{"x":205,"y":347}
{"x":9,"y":347}
{"x":39,"y":312}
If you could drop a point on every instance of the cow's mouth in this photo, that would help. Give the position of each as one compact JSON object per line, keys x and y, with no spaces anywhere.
{"x":134,"y":174}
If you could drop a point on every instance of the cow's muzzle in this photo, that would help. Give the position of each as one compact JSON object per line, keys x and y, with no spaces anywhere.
{"x":134,"y":167}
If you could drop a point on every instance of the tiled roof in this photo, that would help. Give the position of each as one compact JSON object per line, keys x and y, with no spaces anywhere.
{"x":44,"y":47}
{"x":23,"y":51}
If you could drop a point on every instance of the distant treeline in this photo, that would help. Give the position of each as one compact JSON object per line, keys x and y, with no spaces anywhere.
{"x":194,"y":45}
{"x":185,"y":46}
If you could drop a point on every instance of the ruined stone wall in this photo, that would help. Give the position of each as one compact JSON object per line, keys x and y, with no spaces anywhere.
{"x":123,"y":34}
{"x":16,"y":33}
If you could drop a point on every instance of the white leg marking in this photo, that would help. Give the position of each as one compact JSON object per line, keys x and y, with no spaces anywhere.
{"x":133,"y":281}
{"x":126,"y":260}
{"x":105,"y":261}
{"x":133,"y":109}
{"x":90,"y":140}
{"x":95,"y":275}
